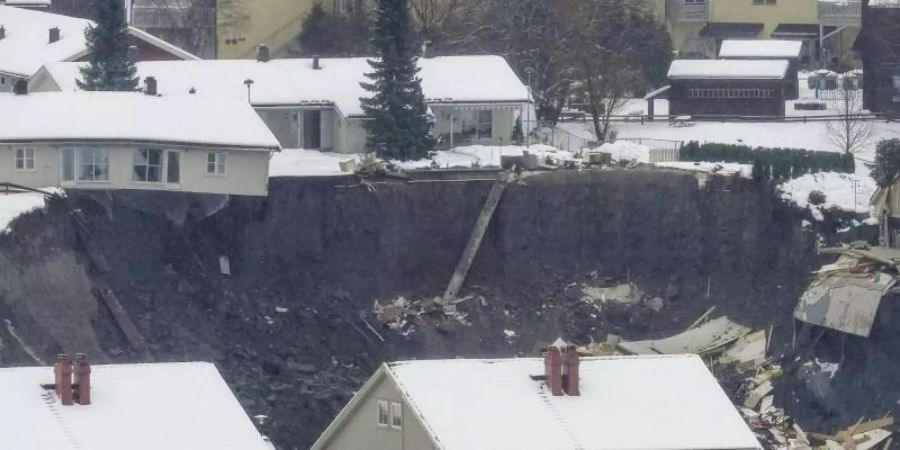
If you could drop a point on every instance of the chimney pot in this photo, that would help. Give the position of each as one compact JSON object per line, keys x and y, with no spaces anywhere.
{"x":54,"y":34}
{"x":133,"y":53}
{"x":571,"y":377}
{"x":426,"y":45}
{"x":553,"y":370}
{"x":82,"y":379}
{"x":2,"y":32}
{"x":150,"y":86}
{"x":63,"y":371}
{"x":316,"y":64}
{"x":20,"y":87}
{"x":262,"y":53}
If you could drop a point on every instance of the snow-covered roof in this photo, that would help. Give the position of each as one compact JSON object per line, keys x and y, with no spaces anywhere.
{"x":760,"y":48}
{"x":728,"y":69}
{"x":132,"y":117}
{"x":626,"y":403}
{"x":31,"y":3}
{"x":884,"y":3}
{"x":282,"y":82}
{"x":177,"y":406}
{"x":27,"y":45}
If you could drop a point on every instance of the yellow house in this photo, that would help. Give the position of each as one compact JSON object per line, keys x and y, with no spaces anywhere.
{"x":699,"y":26}
{"x":244,"y":24}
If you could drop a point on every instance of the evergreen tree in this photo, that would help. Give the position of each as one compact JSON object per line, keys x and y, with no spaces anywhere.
{"x":400,"y":127}
{"x":331,"y":35}
{"x":109,"y":66}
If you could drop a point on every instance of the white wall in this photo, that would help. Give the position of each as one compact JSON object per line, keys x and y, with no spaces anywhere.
{"x":247,"y":172}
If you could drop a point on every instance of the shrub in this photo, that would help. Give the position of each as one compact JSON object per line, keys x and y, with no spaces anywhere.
{"x":817,"y":198}
{"x":887,"y":162}
{"x":772,"y":163}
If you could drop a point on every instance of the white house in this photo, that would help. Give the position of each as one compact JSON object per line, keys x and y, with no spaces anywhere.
{"x":173,"y":406}
{"x":315,"y":103}
{"x":560,"y":402}
{"x":30,"y":39}
{"x":128,"y":140}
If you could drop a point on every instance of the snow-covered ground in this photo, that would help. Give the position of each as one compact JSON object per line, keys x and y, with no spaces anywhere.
{"x":311,"y":163}
{"x":720,"y":168}
{"x":14,"y":205}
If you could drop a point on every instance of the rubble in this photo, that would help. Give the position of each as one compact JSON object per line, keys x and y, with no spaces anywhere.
{"x":707,"y":338}
{"x":402,"y":315}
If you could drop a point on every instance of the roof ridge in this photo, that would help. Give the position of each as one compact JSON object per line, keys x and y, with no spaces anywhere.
{"x":559,"y":418}
{"x":50,"y":401}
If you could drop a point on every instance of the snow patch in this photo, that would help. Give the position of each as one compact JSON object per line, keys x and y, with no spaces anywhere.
{"x":627,"y":151}
{"x":15,"y":205}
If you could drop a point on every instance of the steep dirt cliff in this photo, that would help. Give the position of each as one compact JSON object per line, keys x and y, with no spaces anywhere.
{"x":309,"y":261}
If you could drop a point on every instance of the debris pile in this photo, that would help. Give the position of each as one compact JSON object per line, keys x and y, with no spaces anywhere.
{"x":845,"y":295}
{"x":402,"y":315}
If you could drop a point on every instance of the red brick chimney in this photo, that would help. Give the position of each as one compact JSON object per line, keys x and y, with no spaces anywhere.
{"x":82,"y":379}
{"x":63,"y":371}
{"x":553,"y":370}
{"x":570,"y":377}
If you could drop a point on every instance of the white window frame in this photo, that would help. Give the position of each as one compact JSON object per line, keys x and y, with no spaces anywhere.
{"x":78,"y":157}
{"x":146,"y":167}
{"x":382,"y":406}
{"x":24,"y":159}
{"x":220,"y":161}
{"x":396,"y":413}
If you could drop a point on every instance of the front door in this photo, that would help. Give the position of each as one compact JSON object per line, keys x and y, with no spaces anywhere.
{"x":312,"y":129}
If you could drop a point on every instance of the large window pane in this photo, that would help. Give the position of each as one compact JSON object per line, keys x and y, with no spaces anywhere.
{"x":93,"y":164}
{"x":68,"y":165}
{"x":147,"y":166}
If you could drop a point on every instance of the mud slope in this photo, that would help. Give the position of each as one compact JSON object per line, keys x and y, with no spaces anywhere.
{"x":310,"y":259}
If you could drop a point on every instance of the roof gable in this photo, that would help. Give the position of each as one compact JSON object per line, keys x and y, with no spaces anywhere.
{"x":138,"y":406}
{"x":636,"y":403}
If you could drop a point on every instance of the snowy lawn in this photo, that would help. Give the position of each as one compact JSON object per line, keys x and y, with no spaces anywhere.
{"x":14,"y":205}
{"x":312,"y":163}
{"x":850,"y":192}
{"x":720,"y":168}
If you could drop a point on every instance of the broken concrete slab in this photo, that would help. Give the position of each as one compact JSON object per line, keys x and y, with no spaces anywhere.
{"x":757,"y":394}
{"x":705,"y":338}
{"x":870,"y":439}
{"x":844,"y":302}
{"x":627,"y":294}
{"x":749,"y":349}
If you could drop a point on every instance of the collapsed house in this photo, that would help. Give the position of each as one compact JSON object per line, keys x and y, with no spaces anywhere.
{"x":845,"y":296}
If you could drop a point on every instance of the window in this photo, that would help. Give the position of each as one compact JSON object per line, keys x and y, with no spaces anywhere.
{"x":25,"y":158}
{"x":764,"y":2}
{"x":86,"y":164}
{"x":383,"y":413}
{"x":215,"y":163}
{"x":694,"y":2}
{"x":148,"y":165}
{"x":396,"y":415}
{"x":731,"y":93}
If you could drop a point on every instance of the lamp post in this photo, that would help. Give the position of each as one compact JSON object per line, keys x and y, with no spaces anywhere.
{"x":527,"y":130}
{"x":249,"y":83}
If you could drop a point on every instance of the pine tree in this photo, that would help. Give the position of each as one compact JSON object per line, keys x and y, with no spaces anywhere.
{"x":109,"y":66}
{"x":400,"y":126}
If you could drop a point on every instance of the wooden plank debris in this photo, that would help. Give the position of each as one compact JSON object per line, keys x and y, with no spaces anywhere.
{"x":132,"y":335}
{"x":706,"y":338}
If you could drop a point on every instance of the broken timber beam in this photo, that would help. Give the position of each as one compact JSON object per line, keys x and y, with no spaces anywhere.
{"x":132,"y":335}
{"x":484,"y":219}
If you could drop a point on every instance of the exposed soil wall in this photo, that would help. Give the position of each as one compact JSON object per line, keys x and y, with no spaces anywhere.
{"x":324,"y":249}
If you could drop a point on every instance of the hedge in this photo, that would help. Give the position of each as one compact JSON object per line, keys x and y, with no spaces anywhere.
{"x":771,"y":163}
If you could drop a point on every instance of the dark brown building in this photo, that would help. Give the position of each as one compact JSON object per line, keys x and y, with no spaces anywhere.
{"x":727,"y":87}
{"x":879,"y":44}
{"x":791,"y":50}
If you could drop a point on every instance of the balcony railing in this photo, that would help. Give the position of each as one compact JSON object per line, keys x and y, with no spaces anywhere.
{"x":840,"y":13}
{"x":154,"y":17}
{"x":682,"y":11}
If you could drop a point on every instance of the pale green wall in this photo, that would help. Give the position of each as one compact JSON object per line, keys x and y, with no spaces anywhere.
{"x":361,"y":431}
{"x":247,"y":171}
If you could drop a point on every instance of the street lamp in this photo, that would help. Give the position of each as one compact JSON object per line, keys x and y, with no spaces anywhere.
{"x":527,"y":127}
{"x":249,"y":83}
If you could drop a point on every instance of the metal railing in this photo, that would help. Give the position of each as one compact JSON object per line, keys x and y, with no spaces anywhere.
{"x":845,"y":13}
{"x":172,"y":17}
{"x":679,"y":11}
